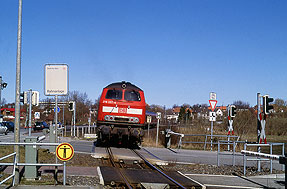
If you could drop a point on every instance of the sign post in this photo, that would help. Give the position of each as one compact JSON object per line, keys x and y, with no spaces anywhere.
{"x":64,"y":152}
{"x":148,"y":120}
{"x":56,"y":84}
{"x":30,"y":112}
{"x":212,"y":114}
{"x":158,"y":116}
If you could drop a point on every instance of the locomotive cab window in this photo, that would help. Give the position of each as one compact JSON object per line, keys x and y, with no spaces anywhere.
{"x":132,"y":96}
{"x":114,"y":94}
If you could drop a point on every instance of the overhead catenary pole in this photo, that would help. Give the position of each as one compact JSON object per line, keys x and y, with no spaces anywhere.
{"x":17,"y":95}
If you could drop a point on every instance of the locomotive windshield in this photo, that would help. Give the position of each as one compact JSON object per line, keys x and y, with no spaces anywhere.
{"x":114,"y":94}
{"x":132,"y":95}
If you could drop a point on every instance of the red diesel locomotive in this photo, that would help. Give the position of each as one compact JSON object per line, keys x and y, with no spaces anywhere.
{"x":121,"y":112}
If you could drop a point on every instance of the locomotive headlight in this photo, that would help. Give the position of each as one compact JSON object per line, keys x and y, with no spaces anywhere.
{"x":109,"y":118}
{"x":136,"y":120}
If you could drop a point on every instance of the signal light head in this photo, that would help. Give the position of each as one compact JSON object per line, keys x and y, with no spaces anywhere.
{"x":232,"y":110}
{"x":266,"y":106}
{"x":23,"y":97}
{"x":4,"y":85}
{"x":71,"y":106}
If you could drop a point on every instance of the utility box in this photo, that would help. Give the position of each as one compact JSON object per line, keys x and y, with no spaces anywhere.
{"x":31,"y":156}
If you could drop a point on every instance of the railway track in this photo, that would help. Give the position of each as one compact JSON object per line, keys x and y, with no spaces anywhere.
{"x":126,"y":182}
{"x":140,"y":173}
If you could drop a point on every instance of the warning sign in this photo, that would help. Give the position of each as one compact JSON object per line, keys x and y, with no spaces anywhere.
{"x":65,"y":151}
{"x":212,"y":104}
{"x":37,"y":115}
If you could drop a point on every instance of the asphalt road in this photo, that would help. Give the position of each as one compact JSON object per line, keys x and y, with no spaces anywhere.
{"x":10,"y":136}
{"x":178,"y":156}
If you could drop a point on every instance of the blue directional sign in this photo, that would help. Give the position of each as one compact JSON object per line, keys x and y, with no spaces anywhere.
{"x":58,"y":109}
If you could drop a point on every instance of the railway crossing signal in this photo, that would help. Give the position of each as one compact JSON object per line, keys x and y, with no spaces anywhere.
{"x":262,"y":136}
{"x":233,"y":111}
{"x":266,"y":106}
{"x":262,"y":116}
{"x":231,"y":115}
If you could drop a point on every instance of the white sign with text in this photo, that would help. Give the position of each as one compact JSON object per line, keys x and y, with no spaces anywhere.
{"x":56,"y":79}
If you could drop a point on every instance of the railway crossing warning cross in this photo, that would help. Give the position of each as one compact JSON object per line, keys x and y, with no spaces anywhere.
{"x":262,"y":132}
{"x":65,"y":151}
{"x":230,"y":127}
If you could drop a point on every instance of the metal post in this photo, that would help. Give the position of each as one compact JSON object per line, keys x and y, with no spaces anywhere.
{"x":17,"y":94}
{"x":244,"y":161}
{"x":218,"y":151}
{"x":205,"y":142}
{"x":233,"y":154}
{"x":56,"y":134}
{"x":228,"y":138}
{"x":211,"y":135}
{"x":283,"y":152}
{"x":74,"y":119}
{"x":148,"y":130}
{"x":52,"y":136}
{"x":228,"y":146}
{"x":30,"y":111}
{"x":157,"y":132}
{"x":65,"y":128}
{"x":271,"y":166}
{"x":0,"y":94}
{"x":258,"y":127}
{"x":64,"y":179}
{"x":90,"y":121}
{"x":63,"y":124}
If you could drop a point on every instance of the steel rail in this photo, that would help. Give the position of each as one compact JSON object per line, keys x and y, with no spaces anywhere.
{"x":155,"y":168}
{"x":111,"y":157}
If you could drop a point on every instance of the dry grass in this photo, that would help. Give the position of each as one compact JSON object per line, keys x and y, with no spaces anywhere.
{"x":204,"y":130}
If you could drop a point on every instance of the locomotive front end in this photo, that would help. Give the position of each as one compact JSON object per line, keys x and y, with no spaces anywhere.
{"x":121,"y":111}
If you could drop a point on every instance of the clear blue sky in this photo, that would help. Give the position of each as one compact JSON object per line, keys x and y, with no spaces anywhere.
{"x":177,"y":51}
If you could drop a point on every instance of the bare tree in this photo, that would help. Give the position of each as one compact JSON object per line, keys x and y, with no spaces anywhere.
{"x":241,"y":105}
